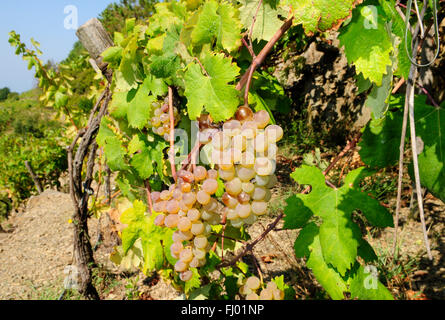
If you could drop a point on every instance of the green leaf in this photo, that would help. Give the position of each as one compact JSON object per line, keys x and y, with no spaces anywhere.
{"x":194,"y":282}
{"x":139,"y":110}
{"x":296,"y":214}
{"x":364,"y":285}
{"x":119,"y":104}
{"x":331,"y":281}
{"x":320,"y":15}
{"x":305,"y":239}
{"x":380,"y":139}
{"x":369,"y":49}
{"x":112,"y":55}
{"x":267,"y":20}
{"x":377,"y":99}
{"x":212,"y":90}
{"x":218,"y":21}
{"x":339,"y":236}
{"x":430,"y":127}
{"x":152,"y":237}
{"x":398,"y":28}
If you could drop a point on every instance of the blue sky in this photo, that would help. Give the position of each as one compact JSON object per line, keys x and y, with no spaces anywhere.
{"x":44,"y":21}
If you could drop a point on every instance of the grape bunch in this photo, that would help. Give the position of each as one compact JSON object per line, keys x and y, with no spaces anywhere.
{"x":189,"y":207}
{"x":245,"y":152}
{"x":160,"y":122}
{"x":251,"y":290}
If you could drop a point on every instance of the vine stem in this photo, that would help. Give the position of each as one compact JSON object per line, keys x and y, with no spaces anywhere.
{"x":263,"y":54}
{"x":171,"y":153}
{"x":409,"y":111}
{"x":148,"y":188}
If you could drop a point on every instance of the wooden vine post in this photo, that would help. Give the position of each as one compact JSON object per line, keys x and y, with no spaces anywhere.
{"x":95,"y":39}
{"x":34,"y":177}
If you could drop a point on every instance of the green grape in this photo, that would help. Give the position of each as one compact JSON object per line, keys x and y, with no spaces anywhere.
{"x":184,"y":224}
{"x":186,"y":255}
{"x":227,"y":174}
{"x":234,"y":187}
{"x":262,"y":118}
{"x":186,"y":275}
{"x":210,"y":186}
{"x":194,"y":215}
{"x":259,"y":207}
{"x":172,"y":206}
{"x":200,"y":242}
{"x":200,"y":173}
{"x":181,"y":266}
{"x":253,"y":283}
{"x":243,"y":210}
{"x":197,"y":228}
{"x":171,"y":221}
{"x":245,"y":174}
{"x":159,"y":220}
{"x":266,"y":294}
{"x":252,"y":296}
{"x":202,"y":197}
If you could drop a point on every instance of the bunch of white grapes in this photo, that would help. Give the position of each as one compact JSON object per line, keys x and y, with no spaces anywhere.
{"x":189,"y":207}
{"x":245,"y":152}
{"x":251,"y":290}
{"x":160,"y":122}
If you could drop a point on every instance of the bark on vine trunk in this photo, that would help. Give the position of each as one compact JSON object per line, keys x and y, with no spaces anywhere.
{"x":94,"y":38}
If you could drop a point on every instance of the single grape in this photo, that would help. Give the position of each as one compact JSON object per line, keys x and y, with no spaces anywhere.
{"x":164,"y":118}
{"x":253,"y":283}
{"x":259,"y":207}
{"x":177,"y":194}
{"x":243,"y":197}
{"x":249,"y":130}
{"x":186,"y":255}
{"x":260,"y":143}
{"x":266,"y":294}
{"x":245,"y":174}
{"x":248,"y":187}
{"x":212,"y":174}
{"x":184,"y":224}
{"x":186,"y":187}
{"x":165,"y":195}
{"x":199,"y":253}
{"x":194,"y":263}
{"x":274,"y":133}
{"x":229,"y":201}
{"x":194,"y":215}
{"x":243,"y":210}
{"x":189,"y":198}
{"x":210,"y":186}
{"x":186,"y":275}
{"x":200,"y":242}
{"x":234,"y":187}
{"x":239,"y":142}
{"x":262,"y":180}
{"x":203,"y":197}
{"x":197,"y":228}
{"x":200,"y":173}
{"x":247,"y":159}
{"x":244,"y":114}
{"x":172,"y":206}
{"x":181,"y":266}
{"x":171,"y":221}
{"x":232,"y":214}
{"x":176,"y":247}
{"x":259,"y":193}
{"x":227,"y":174}
{"x":185,"y":235}
{"x":263,"y":166}
{"x":262,"y":118}
{"x":271,"y":285}
{"x":159,"y":220}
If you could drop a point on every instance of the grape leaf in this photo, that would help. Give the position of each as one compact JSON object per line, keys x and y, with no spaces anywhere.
{"x":129,"y":66}
{"x":377,"y":99}
{"x":368,"y":48}
{"x":380,"y":139}
{"x":114,"y":150}
{"x":430,"y":127}
{"x":339,"y":235}
{"x":320,"y":15}
{"x":398,"y":28}
{"x":139,"y":110}
{"x":220,"y":22}
{"x":305,"y":239}
{"x":331,"y":281}
{"x":142,"y":227}
{"x":267,"y":20}
{"x":151,"y":153}
{"x":212,"y":90}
